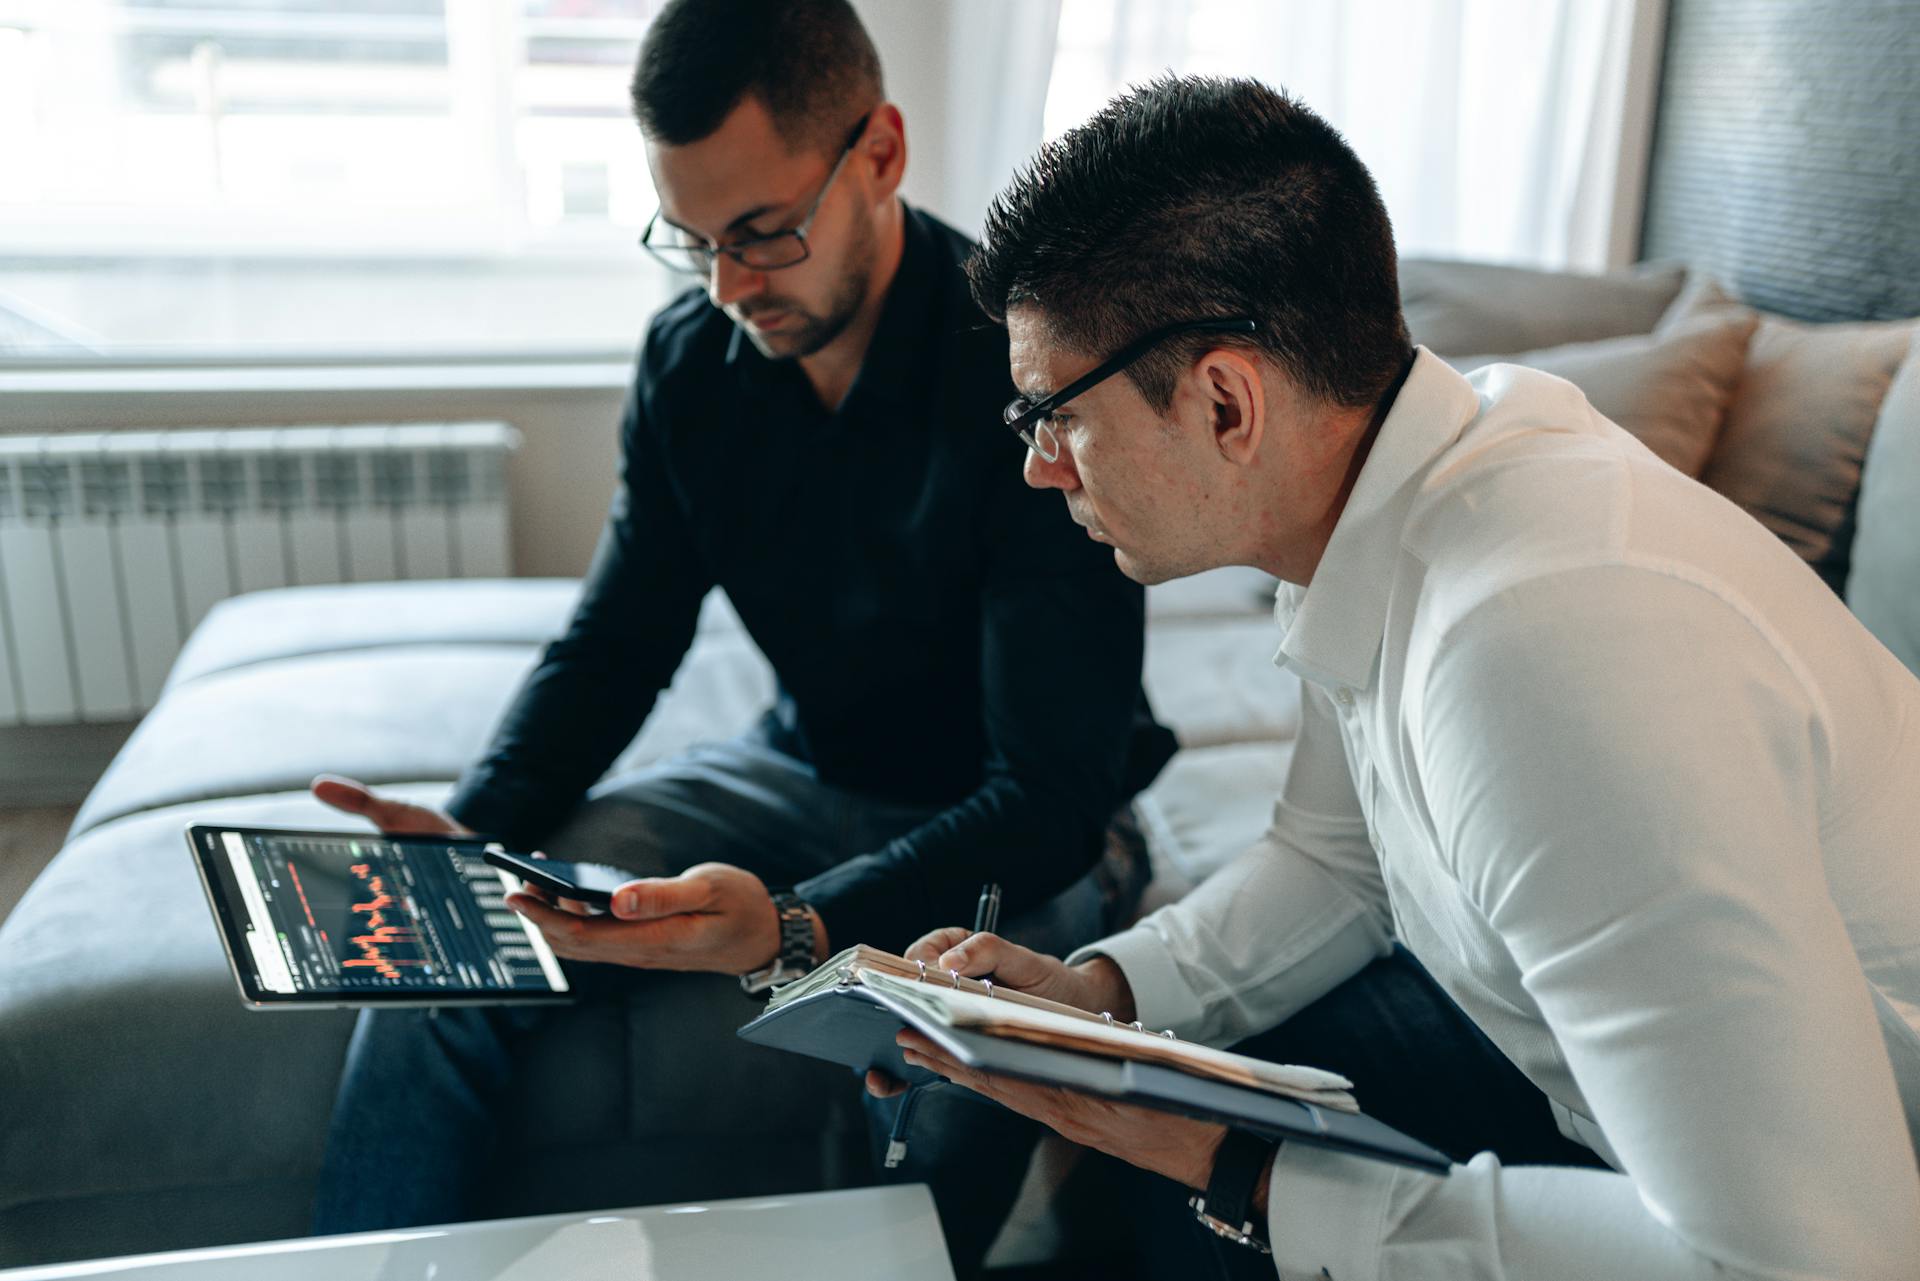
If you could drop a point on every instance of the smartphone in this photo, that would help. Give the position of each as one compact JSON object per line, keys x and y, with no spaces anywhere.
{"x":589,"y":883}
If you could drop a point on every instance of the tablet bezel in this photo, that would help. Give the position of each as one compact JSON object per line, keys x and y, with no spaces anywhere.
{"x":240,"y":966}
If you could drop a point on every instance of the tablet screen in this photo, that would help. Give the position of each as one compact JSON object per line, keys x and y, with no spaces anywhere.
{"x":347,"y":919}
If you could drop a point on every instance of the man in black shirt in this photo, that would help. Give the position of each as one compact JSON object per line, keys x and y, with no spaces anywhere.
{"x":959,"y":667}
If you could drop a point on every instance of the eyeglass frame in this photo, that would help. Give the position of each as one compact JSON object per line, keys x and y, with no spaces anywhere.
{"x":1025,"y":416}
{"x":738,"y":249}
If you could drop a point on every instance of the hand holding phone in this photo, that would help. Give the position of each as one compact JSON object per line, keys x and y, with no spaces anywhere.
{"x":589,"y":883}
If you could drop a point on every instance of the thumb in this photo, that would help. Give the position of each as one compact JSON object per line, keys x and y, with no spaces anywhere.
{"x":654,"y":897}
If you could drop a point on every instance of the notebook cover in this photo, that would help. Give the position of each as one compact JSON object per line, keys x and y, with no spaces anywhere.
{"x":851,"y":1025}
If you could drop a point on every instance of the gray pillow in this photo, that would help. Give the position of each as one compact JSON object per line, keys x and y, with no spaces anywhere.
{"x":1884,"y":586}
{"x":1670,"y":389}
{"x":1455,"y":307}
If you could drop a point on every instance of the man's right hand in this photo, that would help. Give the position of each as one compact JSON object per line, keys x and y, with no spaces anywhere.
{"x":399,"y":818}
{"x":1097,"y":984}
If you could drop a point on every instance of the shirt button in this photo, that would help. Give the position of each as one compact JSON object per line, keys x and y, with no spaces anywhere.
{"x":1343,"y":696}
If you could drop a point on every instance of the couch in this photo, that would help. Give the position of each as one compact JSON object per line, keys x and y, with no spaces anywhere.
{"x":142,"y":1108}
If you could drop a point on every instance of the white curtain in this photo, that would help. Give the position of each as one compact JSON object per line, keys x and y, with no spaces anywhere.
{"x":971,"y":77}
{"x":1501,"y":130}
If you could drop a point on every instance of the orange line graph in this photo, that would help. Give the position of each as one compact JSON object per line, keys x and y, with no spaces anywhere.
{"x":301,"y":890}
{"x":378,"y":934}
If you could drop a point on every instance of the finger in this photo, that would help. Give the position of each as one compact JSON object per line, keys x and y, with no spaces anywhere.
{"x":576,"y":907}
{"x":883,"y":1086}
{"x":1010,"y":964}
{"x":654,"y":897}
{"x":355,"y":797}
{"x":949,"y":1070}
{"x":342,"y":793}
{"x":930,"y":947}
{"x":563,"y":931}
{"x":552,"y":920}
{"x":535,"y":892}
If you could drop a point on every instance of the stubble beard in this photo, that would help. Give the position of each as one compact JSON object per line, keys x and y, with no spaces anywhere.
{"x":815,"y":332}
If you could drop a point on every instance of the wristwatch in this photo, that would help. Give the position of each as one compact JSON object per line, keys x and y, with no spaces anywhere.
{"x":795,"y":958}
{"x":1226,"y":1207}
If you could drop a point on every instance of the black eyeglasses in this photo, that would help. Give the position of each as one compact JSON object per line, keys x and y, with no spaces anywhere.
{"x":681,"y":250}
{"x":1028,"y":418}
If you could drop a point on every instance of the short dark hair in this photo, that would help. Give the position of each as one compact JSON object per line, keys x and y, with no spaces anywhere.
{"x":1193,"y":197}
{"x":809,"y":62}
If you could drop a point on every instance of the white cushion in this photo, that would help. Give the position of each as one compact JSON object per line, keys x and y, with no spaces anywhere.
{"x":1884,"y":586}
{"x":1209,"y":804}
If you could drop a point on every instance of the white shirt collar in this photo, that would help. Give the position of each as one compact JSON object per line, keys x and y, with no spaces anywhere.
{"x":1331,"y":628}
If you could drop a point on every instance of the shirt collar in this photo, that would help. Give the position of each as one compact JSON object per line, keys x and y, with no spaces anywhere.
{"x":1331,"y":629}
{"x":892,"y":368}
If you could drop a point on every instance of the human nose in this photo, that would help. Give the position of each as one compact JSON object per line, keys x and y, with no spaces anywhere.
{"x":729,"y":281}
{"x":1058,"y":474}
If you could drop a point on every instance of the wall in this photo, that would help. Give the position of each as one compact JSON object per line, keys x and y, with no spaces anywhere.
{"x":559,"y":482}
{"x":1786,"y":155}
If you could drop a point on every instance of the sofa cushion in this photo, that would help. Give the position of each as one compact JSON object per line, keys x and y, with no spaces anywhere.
{"x":412,"y":692}
{"x":1797,"y":431}
{"x":1209,"y":804}
{"x":1458,"y":307}
{"x":1670,"y":389}
{"x":293,"y":622}
{"x":1883,"y":587}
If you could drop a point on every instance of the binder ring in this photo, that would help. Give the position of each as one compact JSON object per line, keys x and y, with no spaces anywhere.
{"x":1136,"y":1026}
{"x":989,"y":986}
{"x":955,"y":976}
{"x":1169,"y":1035}
{"x":923,"y":970}
{"x":1108,"y":1017}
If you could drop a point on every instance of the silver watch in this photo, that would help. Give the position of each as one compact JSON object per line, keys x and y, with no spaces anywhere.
{"x":797,"y":943}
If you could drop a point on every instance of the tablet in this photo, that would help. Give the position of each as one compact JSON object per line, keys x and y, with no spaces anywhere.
{"x":325,"y":919}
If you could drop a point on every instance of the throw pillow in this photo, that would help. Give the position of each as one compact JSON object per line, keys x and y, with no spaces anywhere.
{"x":1669,"y":389}
{"x":1454,"y":307}
{"x":1797,"y":430}
{"x":1884,"y":585}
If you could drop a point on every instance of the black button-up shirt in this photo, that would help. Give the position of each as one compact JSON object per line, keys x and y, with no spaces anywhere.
{"x":942,"y":634}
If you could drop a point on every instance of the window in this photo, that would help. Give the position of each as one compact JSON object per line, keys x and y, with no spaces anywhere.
{"x":1495,"y":129}
{"x":292,"y":150}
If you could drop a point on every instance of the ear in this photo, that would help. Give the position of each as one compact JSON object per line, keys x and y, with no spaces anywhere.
{"x":883,"y":151}
{"x":1236,"y":401}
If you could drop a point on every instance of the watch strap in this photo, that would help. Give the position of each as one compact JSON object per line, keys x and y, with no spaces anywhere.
{"x":797,"y":942}
{"x":1226,"y":1207}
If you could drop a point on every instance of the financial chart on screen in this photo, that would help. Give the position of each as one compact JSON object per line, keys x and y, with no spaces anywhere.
{"x":352,"y":916}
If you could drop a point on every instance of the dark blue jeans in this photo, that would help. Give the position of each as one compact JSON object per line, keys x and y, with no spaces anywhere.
{"x":414,"y":1126}
{"x":1417,"y":1062}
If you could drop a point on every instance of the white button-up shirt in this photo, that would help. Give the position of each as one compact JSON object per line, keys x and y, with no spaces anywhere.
{"x":1644,"y":798}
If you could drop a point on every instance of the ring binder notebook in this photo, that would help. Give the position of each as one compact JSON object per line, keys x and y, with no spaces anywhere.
{"x":849,"y":1010}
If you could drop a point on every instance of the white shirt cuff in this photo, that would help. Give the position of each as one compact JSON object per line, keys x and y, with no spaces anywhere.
{"x":1327,"y":1211}
{"x":1161,"y":998}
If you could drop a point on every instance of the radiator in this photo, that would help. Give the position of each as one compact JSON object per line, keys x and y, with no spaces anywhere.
{"x":112,"y":547}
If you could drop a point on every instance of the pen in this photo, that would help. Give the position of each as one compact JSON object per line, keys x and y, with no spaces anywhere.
{"x":986,"y":917}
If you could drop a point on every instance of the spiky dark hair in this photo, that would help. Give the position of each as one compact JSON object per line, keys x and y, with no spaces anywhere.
{"x":1192,"y":197}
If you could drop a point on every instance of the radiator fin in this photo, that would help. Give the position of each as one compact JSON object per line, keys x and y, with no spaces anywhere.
{"x":114,"y":546}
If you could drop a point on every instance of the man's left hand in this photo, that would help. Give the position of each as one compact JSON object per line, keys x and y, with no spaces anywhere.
{"x":1181,"y":1149}
{"x":713,"y":916}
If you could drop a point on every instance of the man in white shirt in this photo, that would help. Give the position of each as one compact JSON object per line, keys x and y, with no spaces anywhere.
{"x":1581,"y":742}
